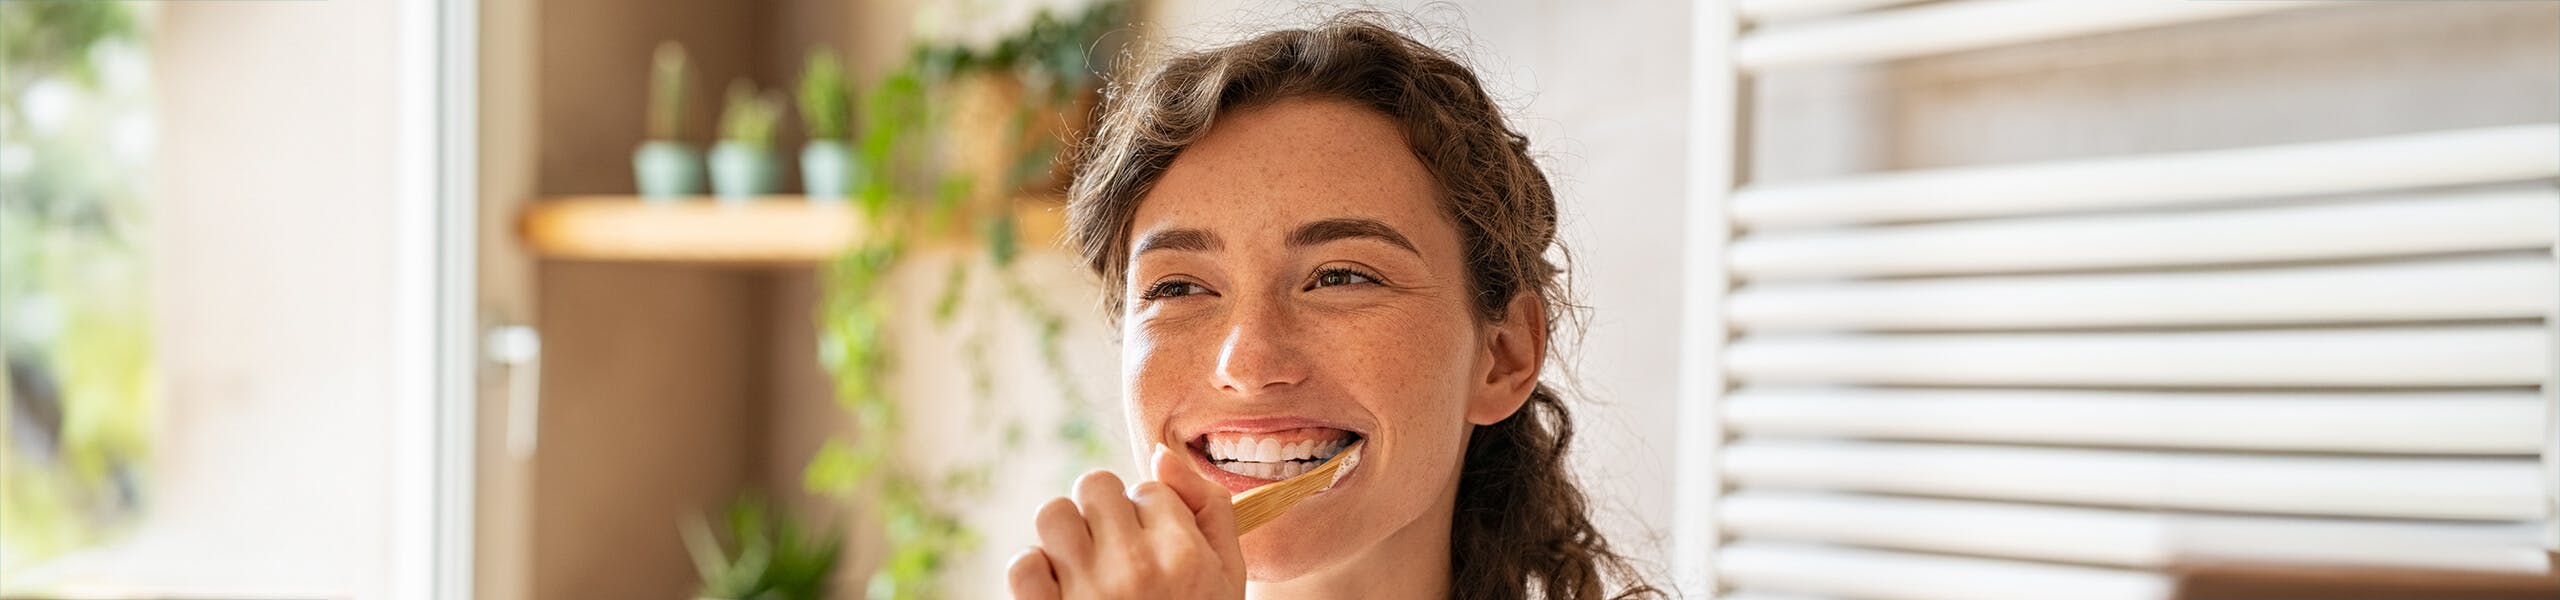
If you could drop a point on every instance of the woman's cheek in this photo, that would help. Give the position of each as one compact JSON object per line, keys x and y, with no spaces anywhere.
{"x":1411,"y":377}
{"x":1165,"y":358}
{"x":1148,"y":378}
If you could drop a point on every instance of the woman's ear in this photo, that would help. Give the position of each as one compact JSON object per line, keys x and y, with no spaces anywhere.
{"x":1518,"y":349}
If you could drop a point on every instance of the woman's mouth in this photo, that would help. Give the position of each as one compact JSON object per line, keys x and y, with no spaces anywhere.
{"x":1245,"y":460}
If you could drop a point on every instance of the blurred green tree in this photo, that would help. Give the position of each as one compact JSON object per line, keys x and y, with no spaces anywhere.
{"x":74,"y":309}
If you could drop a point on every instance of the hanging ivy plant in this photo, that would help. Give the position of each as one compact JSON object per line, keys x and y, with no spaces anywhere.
{"x":916,"y":187}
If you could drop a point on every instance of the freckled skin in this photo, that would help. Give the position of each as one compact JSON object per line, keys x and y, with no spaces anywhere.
{"x":1255,"y":330}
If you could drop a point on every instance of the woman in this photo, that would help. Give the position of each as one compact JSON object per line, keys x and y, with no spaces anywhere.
{"x":1311,"y":238}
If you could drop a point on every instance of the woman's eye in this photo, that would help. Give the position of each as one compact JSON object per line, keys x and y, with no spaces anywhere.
{"x":1170,"y":289}
{"x":1340,"y":276}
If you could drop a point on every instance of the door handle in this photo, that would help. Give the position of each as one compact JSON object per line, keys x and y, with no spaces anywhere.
{"x":517,"y":351}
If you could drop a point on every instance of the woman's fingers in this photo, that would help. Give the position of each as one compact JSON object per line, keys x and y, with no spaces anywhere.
{"x":1162,"y":512}
{"x":1105,"y":503}
{"x":1212,"y":507}
{"x":1031,"y":578}
{"x":1145,"y":541}
{"x":1065,"y":542}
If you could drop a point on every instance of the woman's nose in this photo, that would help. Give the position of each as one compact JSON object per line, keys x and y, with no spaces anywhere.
{"x":1261,"y":351}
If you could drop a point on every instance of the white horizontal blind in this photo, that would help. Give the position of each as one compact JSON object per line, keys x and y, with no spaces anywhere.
{"x":1767,"y":11}
{"x":1951,"y":26}
{"x":2055,"y":379}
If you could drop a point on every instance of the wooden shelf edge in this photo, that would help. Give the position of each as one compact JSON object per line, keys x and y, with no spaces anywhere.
{"x":781,"y":231}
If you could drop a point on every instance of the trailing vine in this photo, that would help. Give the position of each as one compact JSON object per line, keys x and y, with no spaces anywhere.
{"x":911,"y":188}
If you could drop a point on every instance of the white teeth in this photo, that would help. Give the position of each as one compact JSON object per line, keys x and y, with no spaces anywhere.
{"x":1270,"y":457}
{"x":1273,"y":450}
{"x":1267,"y":470}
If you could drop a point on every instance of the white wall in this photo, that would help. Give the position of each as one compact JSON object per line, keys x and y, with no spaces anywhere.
{"x":1602,"y":90}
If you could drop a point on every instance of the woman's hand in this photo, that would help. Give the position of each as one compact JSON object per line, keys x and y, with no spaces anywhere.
{"x":1174,"y":537}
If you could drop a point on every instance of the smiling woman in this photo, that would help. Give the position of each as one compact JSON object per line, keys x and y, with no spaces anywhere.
{"x":1312,"y":238}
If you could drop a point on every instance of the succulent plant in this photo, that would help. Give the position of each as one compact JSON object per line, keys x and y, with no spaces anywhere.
{"x":667,"y":74}
{"x":826,"y":100}
{"x":766,"y":554}
{"x":750,"y":115}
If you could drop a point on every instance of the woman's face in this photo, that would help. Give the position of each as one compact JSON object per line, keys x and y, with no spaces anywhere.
{"x":1294,"y":285}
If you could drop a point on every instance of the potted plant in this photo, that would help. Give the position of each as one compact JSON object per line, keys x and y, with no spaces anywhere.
{"x":665,"y":166}
{"x":767,"y":555}
{"x":743,"y":164}
{"x":826,"y":108}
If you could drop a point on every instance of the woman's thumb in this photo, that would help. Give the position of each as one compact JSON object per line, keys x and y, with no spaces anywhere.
{"x":1210,"y":503}
{"x":1197,"y":492}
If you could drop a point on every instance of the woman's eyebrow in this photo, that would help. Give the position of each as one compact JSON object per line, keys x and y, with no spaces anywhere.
{"x":1187,"y":240}
{"x":1330,"y":230}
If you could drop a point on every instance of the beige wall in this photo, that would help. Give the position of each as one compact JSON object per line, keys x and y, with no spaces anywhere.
{"x":507,"y":109}
{"x":652,"y":410}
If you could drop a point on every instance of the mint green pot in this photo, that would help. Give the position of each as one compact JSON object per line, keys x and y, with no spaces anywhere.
{"x":826,"y":170}
{"x":667,"y":170}
{"x":742,"y":171}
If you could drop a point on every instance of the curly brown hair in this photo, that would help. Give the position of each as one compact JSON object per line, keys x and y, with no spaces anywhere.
{"x":1522,"y":527}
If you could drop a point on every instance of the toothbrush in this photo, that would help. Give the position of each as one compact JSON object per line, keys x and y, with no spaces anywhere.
{"x":1261,"y":505}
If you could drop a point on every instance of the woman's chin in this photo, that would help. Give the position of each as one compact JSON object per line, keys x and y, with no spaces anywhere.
{"x":1322,"y":533}
{"x":1292,"y":547}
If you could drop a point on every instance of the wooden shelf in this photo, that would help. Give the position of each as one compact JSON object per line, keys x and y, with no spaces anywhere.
{"x":767,"y":231}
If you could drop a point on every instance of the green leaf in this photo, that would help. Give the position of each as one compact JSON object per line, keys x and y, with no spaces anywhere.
{"x":947,"y":303}
{"x":834,"y":471}
{"x":1002,"y":239}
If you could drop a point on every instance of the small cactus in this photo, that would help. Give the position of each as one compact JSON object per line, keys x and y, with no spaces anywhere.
{"x":667,"y":75}
{"x":826,"y":101}
{"x":750,"y":115}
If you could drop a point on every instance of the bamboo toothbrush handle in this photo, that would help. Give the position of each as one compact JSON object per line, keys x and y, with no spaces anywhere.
{"x":1259,"y":506}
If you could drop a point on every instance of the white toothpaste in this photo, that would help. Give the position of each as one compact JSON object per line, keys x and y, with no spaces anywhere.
{"x":1349,"y":461}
